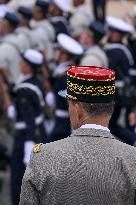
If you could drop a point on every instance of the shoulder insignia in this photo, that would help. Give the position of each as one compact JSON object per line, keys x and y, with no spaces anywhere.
{"x":37,"y":148}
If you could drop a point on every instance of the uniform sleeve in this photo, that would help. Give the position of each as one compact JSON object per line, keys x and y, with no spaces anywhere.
{"x":120,"y":62}
{"x":29,"y":192}
{"x":27,"y":112}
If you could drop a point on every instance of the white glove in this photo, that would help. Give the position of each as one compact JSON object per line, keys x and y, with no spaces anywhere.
{"x":50,"y":99}
{"x":11,"y":112}
{"x":28,"y":146}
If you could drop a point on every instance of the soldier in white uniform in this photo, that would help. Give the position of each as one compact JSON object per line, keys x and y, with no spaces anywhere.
{"x":89,"y":38}
{"x":9,"y":52}
{"x":40,"y":17}
{"x":24,"y":30}
{"x":59,"y":12}
{"x":81,"y":15}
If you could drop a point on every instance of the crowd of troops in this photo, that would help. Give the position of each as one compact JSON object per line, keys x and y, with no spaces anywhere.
{"x":37,"y":45}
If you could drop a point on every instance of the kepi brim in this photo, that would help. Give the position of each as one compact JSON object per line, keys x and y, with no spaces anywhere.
{"x":63,"y":93}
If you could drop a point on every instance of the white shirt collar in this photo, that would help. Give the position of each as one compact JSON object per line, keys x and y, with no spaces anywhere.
{"x":94,"y":126}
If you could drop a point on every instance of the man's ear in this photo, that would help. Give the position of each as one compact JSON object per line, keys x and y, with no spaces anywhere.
{"x":78,"y":111}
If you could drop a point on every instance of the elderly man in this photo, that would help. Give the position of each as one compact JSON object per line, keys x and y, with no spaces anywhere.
{"x":90,"y":167}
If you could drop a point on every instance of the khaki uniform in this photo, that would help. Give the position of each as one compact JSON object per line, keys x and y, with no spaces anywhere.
{"x":94,"y":56}
{"x":46,"y":25}
{"x":89,"y":168}
{"x":81,"y":17}
{"x":10,"y":58}
{"x":41,"y":42}
{"x":24,"y":34}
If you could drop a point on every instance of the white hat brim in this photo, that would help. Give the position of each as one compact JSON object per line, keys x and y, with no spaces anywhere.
{"x":119,"y":24}
{"x":63,"y":93}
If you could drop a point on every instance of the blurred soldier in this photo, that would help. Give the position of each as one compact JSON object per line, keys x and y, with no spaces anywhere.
{"x":41,"y":21}
{"x":24,"y":31}
{"x":121,"y":60}
{"x":9,"y":50}
{"x":43,"y":33}
{"x":56,"y":9}
{"x":81,"y":15}
{"x":67,"y":49}
{"x":90,"y":39}
{"x":99,"y":9}
{"x":29,"y":128}
{"x":25,"y":15}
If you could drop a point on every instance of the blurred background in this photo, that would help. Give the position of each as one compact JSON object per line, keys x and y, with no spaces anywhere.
{"x":39,"y":40}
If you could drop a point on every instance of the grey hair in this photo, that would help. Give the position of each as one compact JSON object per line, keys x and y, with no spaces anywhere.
{"x":98,"y":109}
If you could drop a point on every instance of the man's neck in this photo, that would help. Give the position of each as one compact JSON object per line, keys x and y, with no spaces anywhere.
{"x":103,"y":121}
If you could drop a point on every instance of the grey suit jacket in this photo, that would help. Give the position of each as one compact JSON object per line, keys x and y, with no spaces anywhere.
{"x":89,"y":168}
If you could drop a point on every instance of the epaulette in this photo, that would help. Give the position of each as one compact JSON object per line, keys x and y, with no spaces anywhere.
{"x":37,"y":148}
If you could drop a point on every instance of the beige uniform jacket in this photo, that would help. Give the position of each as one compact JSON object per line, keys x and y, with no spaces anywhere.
{"x":47,"y":26}
{"x":94,"y":56}
{"x":81,"y":17}
{"x":10,"y":58}
{"x":89,"y":168}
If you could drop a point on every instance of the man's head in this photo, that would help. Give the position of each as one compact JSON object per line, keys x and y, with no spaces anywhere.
{"x":93,"y":34}
{"x":84,"y":113}
{"x":67,"y":48}
{"x":41,"y":10}
{"x":32,"y":61}
{"x":90,"y":94}
{"x":117,"y":29}
{"x":10,"y":22}
{"x":25,"y":15}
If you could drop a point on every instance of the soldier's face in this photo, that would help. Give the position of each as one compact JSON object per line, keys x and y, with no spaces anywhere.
{"x":115,"y":36}
{"x":24,"y":67}
{"x":38,"y":15}
{"x":86,"y":39}
{"x":6,"y":27}
{"x":54,"y":10}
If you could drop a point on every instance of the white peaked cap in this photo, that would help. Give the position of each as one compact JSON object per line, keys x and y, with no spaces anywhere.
{"x":33,"y":56}
{"x":64,"y":5}
{"x":119,"y":24}
{"x":69,"y":44}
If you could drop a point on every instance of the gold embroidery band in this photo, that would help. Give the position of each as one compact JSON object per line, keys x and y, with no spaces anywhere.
{"x":91,"y":90}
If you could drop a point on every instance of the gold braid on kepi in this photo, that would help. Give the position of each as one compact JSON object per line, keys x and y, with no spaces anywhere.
{"x":90,"y":84}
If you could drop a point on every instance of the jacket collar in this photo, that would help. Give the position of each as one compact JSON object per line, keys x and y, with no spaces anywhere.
{"x":90,"y":132}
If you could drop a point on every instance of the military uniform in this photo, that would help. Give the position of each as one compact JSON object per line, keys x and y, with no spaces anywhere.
{"x":25,"y":30}
{"x":94,"y":56}
{"x":44,"y":23}
{"x":10,"y":51}
{"x":81,"y":17}
{"x":62,"y":123}
{"x":29,"y":127}
{"x":59,"y":22}
{"x":120,"y":60}
{"x":90,"y":167}
{"x":62,"y":127}
{"x":41,"y":42}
